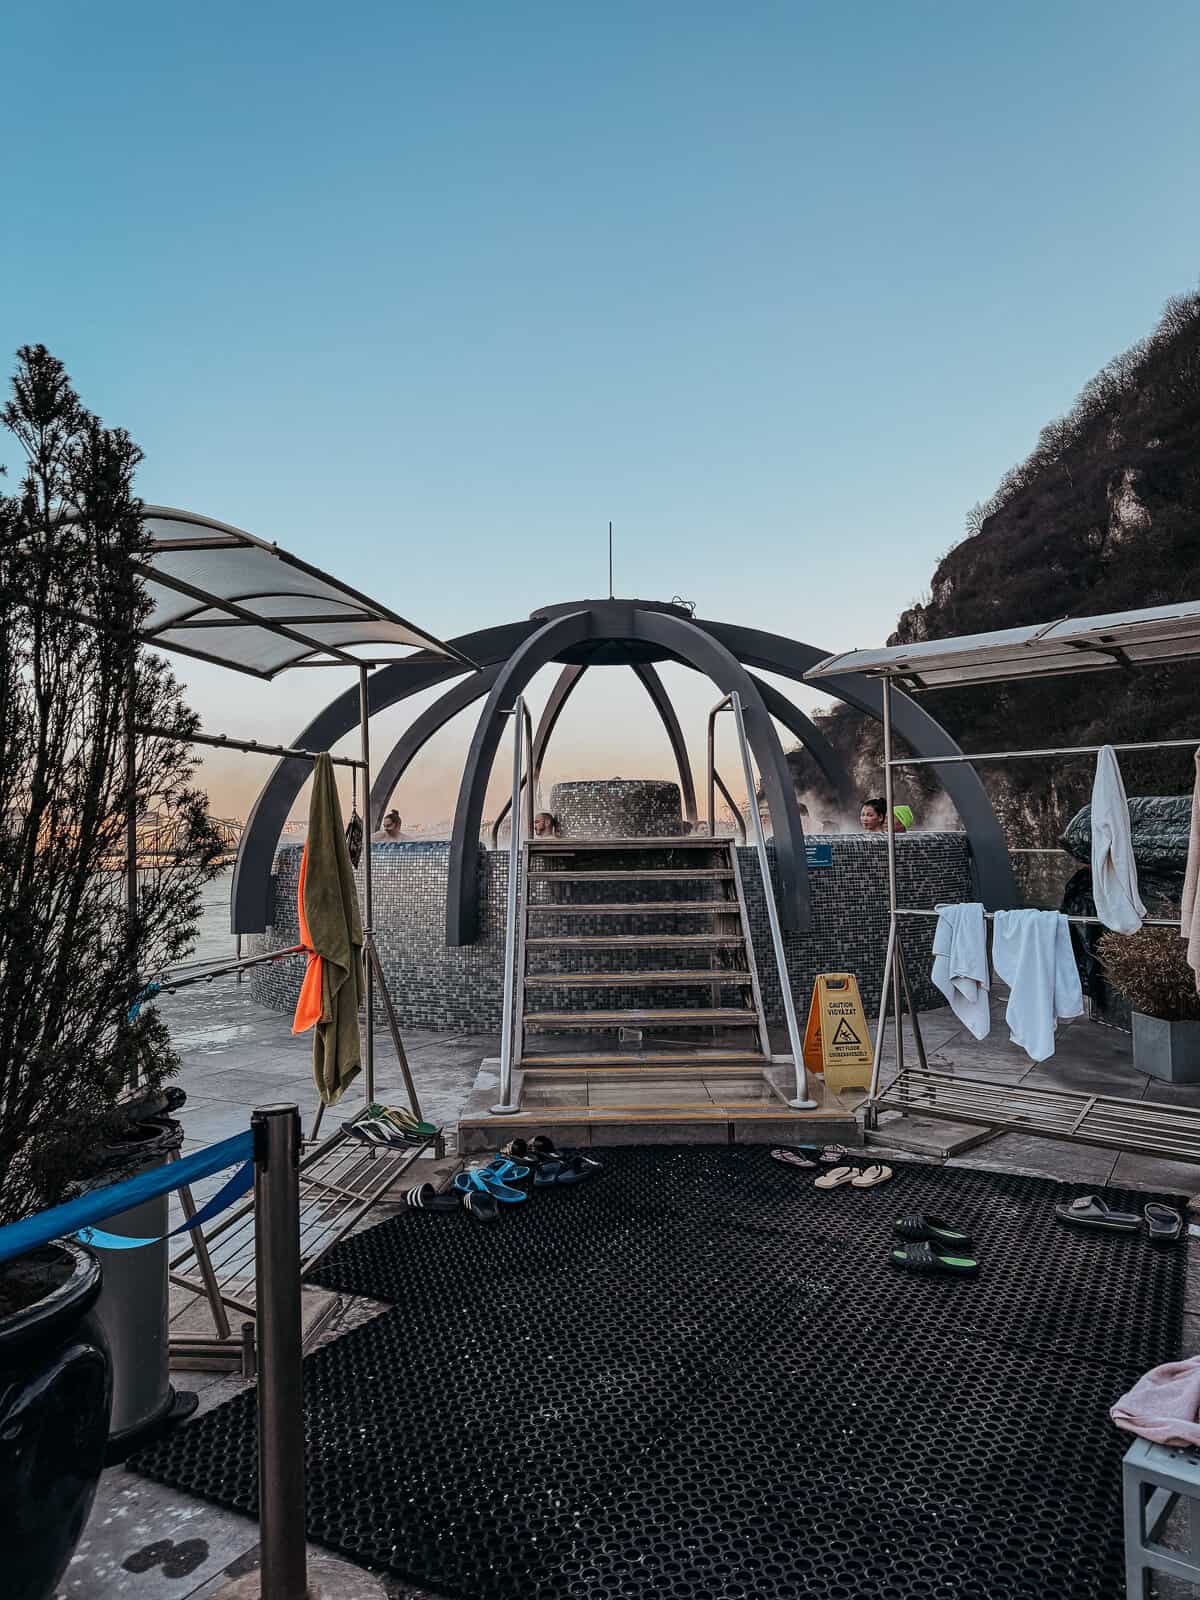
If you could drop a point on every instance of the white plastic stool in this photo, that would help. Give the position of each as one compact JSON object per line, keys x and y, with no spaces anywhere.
{"x":1156,"y":1478}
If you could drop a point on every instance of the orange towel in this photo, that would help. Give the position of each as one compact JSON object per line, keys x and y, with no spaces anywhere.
{"x":308,"y":1006}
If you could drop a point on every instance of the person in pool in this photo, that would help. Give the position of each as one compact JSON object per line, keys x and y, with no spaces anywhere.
{"x":873,"y":817}
{"x":545,"y":825}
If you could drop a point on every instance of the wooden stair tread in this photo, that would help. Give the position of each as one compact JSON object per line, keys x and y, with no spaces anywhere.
{"x":577,"y":908}
{"x":646,"y":874}
{"x":698,"y":1060}
{"x":665,"y":841}
{"x":734,"y":1015}
{"x":639,"y":941}
{"x":635,"y":980}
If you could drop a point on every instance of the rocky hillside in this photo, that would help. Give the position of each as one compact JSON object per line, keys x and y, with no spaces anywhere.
{"x":1104,"y":515}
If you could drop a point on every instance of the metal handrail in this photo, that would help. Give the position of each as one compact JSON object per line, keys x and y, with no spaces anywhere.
{"x":522,"y":734}
{"x":526,"y":782}
{"x":802,"y":1099}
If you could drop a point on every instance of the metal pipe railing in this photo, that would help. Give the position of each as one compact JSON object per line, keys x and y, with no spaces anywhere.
{"x":522,"y":725}
{"x":802,"y":1100}
{"x":1022,"y":755}
{"x":253,"y":747}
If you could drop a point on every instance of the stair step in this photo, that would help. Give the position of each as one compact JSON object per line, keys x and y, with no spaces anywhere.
{"x":667,"y":841}
{"x":647,"y":875}
{"x":641,"y":908}
{"x":639,"y":941}
{"x":732,"y":1016}
{"x":696,"y":1059}
{"x":635,"y":980}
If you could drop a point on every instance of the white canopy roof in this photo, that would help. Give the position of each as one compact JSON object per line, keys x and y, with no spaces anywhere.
{"x":1073,"y":644}
{"x":222,"y":595}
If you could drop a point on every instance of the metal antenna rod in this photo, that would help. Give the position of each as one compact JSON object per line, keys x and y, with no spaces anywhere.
{"x":610,"y":571}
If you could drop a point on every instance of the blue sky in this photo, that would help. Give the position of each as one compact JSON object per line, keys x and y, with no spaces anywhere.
{"x":429,"y":293}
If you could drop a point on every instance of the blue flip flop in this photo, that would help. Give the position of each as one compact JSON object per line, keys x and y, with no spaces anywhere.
{"x":475,"y":1179}
{"x":504,"y":1169}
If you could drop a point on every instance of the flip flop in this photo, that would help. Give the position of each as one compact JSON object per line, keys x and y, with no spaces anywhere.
{"x":426,"y":1198}
{"x":1163,"y":1223}
{"x":1089,"y":1211}
{"x":833,"y":1153}
{"x":481,"y":1205}
{"x":576,"y":1169}
{"x":475,"y":1180}
{"x":400,"y":1118}
{"x":507,"y":1171}
{"x":835,"y":1177}
{"x":375,"y":1134}
{"x":936,"y":1229}
{"x":871,"y":1177}
{"x":793,"y":1158}
{"x":926,"y":1257}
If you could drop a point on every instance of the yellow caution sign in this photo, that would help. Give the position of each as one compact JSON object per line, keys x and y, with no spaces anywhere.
{"x":837,"y":1041}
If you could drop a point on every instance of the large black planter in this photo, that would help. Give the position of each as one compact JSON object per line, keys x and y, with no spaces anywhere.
{"x":55,"y":1395}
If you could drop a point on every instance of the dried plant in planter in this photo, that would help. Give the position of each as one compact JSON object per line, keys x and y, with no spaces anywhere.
{"x":70,"y":954}
{"x":1149,"y":969}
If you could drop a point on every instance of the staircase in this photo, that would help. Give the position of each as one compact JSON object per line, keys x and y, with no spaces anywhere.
{"x":644,"y":940}
{"x":638,"y":1010}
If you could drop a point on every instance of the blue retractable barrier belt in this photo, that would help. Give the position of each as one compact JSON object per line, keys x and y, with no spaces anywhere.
{"x":61,"y":1221}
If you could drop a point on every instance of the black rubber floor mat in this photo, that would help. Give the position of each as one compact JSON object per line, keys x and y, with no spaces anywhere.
{"x":697,"y":1377}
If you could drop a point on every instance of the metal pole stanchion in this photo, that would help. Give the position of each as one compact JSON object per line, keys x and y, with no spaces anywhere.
{"x":504,"y":1107}
{"x":364,"y":715}
{"x":888,"y":786}
{"x":280,"y":1386}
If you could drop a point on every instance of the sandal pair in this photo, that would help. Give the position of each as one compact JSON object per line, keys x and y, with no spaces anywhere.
{"x":857,"y":1177}
{"x":933,"y":1245}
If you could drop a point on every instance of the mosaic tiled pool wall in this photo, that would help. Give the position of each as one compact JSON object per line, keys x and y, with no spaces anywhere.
{"x":436,"y":986}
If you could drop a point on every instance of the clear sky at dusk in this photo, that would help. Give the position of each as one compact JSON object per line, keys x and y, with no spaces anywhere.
{"x":428,"y":293}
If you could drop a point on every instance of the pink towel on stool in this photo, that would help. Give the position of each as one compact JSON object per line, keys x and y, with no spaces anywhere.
{"x":1164,"y":1405}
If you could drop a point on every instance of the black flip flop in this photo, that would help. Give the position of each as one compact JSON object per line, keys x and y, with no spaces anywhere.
{"x":922,"y":1226}
{"x":483,"y":1206}
{"x":1163,"y":1223}
{"x":926,"y":1257}
{"x":426,"y":1198}
{"x":1089,"y":1211}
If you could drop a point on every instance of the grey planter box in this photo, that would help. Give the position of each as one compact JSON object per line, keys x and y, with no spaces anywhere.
{"x":1169,"y":1051}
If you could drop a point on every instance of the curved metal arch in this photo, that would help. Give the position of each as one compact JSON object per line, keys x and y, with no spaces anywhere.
{"x":564,"y":687}
{"x":250,"y":892}
{"x":697,"y":648}
{"x":995,"y":883}
{"x":659,"y":698}
{"x":462,"y":889}
{"x":414,"y":738}
{"x":830,"y":764}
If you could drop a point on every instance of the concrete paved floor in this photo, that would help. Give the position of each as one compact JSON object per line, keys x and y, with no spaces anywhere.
{"x":145,"y":1542}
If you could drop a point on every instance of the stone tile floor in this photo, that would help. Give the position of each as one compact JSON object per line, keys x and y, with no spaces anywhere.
{"x":145,"y":1542}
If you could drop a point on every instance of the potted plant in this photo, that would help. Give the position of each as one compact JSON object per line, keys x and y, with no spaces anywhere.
{"x":82,"y":1067}
{"x":1149,"y":969}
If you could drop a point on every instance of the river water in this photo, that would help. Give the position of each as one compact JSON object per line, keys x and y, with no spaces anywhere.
{"x":210,"y":1016}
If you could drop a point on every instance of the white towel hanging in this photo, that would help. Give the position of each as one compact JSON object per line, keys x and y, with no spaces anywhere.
{"x":1031,"y":952}
{"x":960,"y":964}
{"x":1114,"y":871}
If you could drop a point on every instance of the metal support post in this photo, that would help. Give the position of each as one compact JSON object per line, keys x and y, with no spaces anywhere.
{"x":802,"y":1100}
{"x":368,"y":884}
{"x":284,"y":1557}
{"x":872,"y":1114}
{"x":888,"y":787}
{"x":504,"y":1106}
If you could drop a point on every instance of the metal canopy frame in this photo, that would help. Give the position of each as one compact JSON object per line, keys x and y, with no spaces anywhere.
{"x":213,"y":582}
{"x":235,"y":619}
{"x":1158,"y":636}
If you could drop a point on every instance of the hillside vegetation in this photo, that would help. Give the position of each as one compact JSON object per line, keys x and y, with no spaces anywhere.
{"x":1103,"y":515}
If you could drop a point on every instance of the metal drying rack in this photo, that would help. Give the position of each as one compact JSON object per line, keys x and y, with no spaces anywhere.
{"x":1120,"y":642}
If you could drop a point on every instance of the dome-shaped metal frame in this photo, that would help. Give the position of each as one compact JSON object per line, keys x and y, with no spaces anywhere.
{"x":637,"y":634}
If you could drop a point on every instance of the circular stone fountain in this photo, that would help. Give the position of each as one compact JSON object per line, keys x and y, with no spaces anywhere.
{"x":618,"y":808}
